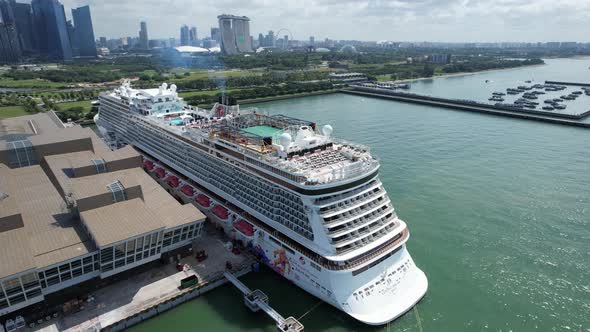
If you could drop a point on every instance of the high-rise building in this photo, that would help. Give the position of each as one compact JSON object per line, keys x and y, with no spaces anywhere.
{"x":73,"y":38}
{"x":215,"y":34}
{"x":143,"y":36}
{"x":172,"y":42}
{"x":23,"y":17}
{"x":270,"y":39}
{"x":84,"y":31}
{"x":51,"y":29}
{"x":261,"y":40}
{"x":10,"y":50}
{"x":235,"y":34}
{"x":311,"y":41}
{"x":193,"y":40}
{"x":184,"y":35}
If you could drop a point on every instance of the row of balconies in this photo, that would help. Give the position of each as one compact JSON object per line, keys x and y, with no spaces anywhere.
{"x":366,"y":239}
{"x":355,"y":212}
{"x":325,"y":202}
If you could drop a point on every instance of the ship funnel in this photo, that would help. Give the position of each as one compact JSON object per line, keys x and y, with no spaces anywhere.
{"x":327,"y":130}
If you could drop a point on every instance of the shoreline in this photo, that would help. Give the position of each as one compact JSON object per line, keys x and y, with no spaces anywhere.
{"x":408,"y":80}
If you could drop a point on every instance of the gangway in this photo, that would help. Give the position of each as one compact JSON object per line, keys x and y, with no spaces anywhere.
{"x":257,"y":300}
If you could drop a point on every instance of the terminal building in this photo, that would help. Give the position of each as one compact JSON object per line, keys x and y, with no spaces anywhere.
{"x":72,"y":210}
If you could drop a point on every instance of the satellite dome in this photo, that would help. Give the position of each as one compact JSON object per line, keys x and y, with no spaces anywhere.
{"x":172,"y":87}
{"x":327,"y":130}
{"x":285,"y":140}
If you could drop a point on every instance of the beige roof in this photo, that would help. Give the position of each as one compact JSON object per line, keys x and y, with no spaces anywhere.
{"x":171,"y":213}
{"x":120,"y":221}
{"x":40,"y":129}
{"x":48,"y":234}
{"x":15,"y":254}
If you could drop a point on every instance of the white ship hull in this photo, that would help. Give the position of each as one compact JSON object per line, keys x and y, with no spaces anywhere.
{"x":376,"y":296}
{"x":353,"y":254}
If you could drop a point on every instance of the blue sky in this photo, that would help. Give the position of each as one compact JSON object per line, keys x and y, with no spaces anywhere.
{"x":399,"y":20}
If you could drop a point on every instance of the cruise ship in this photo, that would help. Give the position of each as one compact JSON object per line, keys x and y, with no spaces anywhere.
{"x":311,"y":206}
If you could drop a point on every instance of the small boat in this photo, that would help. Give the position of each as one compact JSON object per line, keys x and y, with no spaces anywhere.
{"x":529,"y":81}
{"x":498,"y":94}
{"x":560,"y":107}
{"x":548,"y":108}
{"x":530,"y":106}
{"x":577,"y":93}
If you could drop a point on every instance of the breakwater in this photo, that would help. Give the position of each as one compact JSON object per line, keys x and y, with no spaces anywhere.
{"x":567,"y":83}
{"x":472,"y":106}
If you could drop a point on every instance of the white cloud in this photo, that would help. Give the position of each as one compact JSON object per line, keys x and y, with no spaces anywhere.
{"x":434,"y":20}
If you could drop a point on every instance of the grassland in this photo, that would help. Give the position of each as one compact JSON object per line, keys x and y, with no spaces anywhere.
{"x":204,"y":74}
{"x":204,"y":93}
{"x":12,"y":111}
{"x":29,"y":84}
{"x":84,"y":104}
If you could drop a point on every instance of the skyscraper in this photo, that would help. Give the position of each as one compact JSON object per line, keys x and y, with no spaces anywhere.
{"x":215,"y":34}
{"x":84,"y":31}
{"x":51,"y":29}
{"x":10,"y":50}
{"x":73,"y":38}
{"x":184,"y":35}
{"x":193,"y":40}
{"x":235,"y":34}
{"x":23,"y":17}
{"x":261,"y":40}
{"x":143,"y":36}
{"x":270,"y":39}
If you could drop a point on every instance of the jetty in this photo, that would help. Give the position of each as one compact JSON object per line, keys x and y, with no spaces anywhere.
{"x":567,"y":83}
{"x":472,"y":106}
{"x":257,"y":300}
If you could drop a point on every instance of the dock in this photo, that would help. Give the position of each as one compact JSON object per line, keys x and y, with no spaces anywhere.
{"x":567,"y":83}
{"x":554,"y":118}
{"x":256,"y":300}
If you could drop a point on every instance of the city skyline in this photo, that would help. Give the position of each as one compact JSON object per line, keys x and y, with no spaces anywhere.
{"x":444,"y":21}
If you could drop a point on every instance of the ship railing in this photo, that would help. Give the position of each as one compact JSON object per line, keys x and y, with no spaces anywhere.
{"x":350,"y":204}
{"x":357,"y":218}
{"x":381,"y":220}
{"x":323,"y":202}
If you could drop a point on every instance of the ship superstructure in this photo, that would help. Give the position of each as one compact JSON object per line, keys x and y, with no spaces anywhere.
{"x":318,"y":213}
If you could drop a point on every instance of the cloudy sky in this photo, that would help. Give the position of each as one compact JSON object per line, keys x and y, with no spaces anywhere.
{"x":399,"y":20}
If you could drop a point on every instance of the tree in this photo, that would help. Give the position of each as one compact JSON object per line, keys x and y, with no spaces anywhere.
{"x":427,"y":71}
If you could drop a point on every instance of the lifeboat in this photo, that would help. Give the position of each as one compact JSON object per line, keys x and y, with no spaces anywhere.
{"x":244,"y":227}
{"x":148,"y":164}
{"x":187,"y":190}
{"x":203,"y":200}
{"x":172,"y":181}
{"x":160,"y":172}
{"x":220,"y":211}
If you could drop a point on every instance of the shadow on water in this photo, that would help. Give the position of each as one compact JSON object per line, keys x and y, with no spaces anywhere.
{"x":223,"y":310}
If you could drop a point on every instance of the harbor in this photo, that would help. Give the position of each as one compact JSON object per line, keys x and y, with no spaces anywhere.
{"x":562,"y":119}
{"x":488,"y":217}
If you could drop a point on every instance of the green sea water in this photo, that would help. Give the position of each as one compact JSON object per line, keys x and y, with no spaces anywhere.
{"x":498,"y":210}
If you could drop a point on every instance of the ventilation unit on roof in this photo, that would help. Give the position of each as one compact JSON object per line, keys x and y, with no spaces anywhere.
{"x":118,"y":191}
{"x":99,"y":165}
{"x":21,"y":154}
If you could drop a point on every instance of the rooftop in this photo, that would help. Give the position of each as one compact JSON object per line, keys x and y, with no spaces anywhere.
{"x":39,"y":223}
{"x":120,"y":221}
